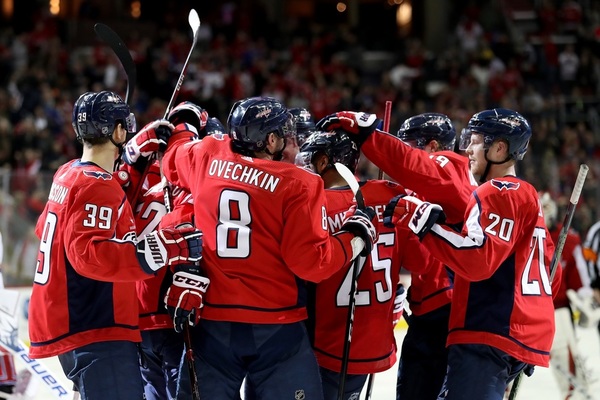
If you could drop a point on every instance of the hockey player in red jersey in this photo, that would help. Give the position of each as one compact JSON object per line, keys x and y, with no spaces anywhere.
{"x":83,"y":305}
{"x":373,"y":346}
{"x":305,"y":125}
{"x":502,"y":314}
{"x":565,"y":359}
{"x":444,"y":176}
{"x":424,"y":356}
{"x":265,"y":230}
{"x":161,"y":344}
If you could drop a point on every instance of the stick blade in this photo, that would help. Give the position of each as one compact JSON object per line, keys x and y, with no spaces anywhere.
{"x":110,"y":37}
{"x":194,"y":21}
{"x":352,"y":182}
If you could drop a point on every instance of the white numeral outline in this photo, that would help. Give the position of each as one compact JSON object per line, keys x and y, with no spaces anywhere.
{"x":42,"y":275}
{"x":529,"y":284}
{"x":363,"y":297}
{"x":239,"y":227}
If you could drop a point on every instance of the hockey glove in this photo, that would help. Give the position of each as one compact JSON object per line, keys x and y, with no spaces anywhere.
{"x":360,"y":223}
{"x":417,"y":214}
{"x":169,"y":246}
{"x":151,"y":139}
{"x":184,"y":299}
{"x":358,"y":125}
{"x":398,"y":304}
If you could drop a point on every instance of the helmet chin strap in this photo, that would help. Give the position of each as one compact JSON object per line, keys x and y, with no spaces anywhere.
{"x":121,"y":147}
{"x":483,"y":177}
{"x":277,"y":155}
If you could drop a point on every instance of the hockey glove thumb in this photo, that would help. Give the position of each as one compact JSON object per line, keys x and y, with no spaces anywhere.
{"x":169,"y":246}
{"x":184,"y":298}
{"x":151,"y":139}
{"x":360,"y":223}
{"x":417,"y":214}
{"x":358,"y":125}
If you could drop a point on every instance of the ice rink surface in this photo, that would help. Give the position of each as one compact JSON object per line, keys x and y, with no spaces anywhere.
{"x":541,"y":386}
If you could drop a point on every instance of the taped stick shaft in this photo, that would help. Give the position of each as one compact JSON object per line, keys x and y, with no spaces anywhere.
{"x":562,"y":237}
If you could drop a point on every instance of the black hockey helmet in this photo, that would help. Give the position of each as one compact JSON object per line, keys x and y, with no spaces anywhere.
{"x":96,"y":115}
{"x":419,"y":130}
{"x":305,"y":124}
{"x":337,"y":145}
{"x":251,"y":120}
{"x":499,"y":123}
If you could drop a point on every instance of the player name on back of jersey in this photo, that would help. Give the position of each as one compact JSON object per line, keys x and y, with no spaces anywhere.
{"x":57,"y":193}
{"x":244,"y":174}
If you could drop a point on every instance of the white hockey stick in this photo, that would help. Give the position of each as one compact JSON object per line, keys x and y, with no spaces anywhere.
{"x":9,"y":339}
{"x":562,"y":238}
{"x":356,"y":267}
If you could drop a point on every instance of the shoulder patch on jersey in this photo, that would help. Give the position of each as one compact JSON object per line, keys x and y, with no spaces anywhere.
{"x":98,"y":175}
{"x":501,"y":185}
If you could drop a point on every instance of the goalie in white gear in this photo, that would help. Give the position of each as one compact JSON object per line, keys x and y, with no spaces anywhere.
{"x":565,"y":358}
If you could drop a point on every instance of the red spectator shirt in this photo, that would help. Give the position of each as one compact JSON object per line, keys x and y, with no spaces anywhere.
{"x":373,"y":346}
{"x":502,"y":293}
{"x":84,"y":285}
{"x":264,"y":225}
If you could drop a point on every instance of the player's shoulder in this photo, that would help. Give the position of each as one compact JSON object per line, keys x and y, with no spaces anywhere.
{"x":376,"y":188}
{"x":89,"y":180}
{"x":509,"y":190}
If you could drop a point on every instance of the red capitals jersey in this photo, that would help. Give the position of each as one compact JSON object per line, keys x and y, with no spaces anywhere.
{"x":84,"y":285}
{"x":574,"y":267}
{"x":264,"y":225}
{"x":373,"y":346}
{"x":502,"y":291}
{"x":443,"y":178}
{"x":149,"y":211}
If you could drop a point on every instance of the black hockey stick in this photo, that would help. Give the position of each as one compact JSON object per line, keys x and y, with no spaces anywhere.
{"x":562,"y":238}
{"x":359,"y":262}
{"x":108,"y":36}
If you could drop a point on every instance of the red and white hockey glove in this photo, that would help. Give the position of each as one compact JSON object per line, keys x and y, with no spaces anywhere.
{"x":151,"y":139}
{"x":360,"y":223}
{"x":358,"y":125}
{"x":417,"y":214}
{"x":169,"y":246}
{"x":184,"y":299}
{"x":398,"y":304}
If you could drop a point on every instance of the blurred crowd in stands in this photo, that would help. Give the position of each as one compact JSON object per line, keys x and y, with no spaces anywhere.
{"x":551,"y":74}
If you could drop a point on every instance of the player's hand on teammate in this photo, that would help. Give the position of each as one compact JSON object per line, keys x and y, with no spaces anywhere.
{"x":358,"y":125}
{"x":151,"y":139}
{"x":169,"y":246}
{"x":184,"y":299}
{"x":360,"y":223}
{"x":419,"y":215}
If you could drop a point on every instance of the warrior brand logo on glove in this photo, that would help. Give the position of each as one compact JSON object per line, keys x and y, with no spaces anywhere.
{"x":155,"y":250}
